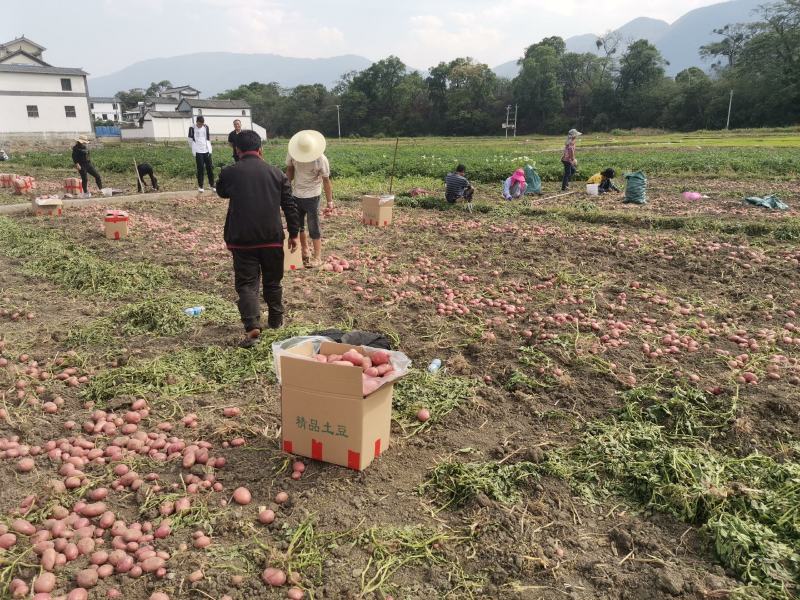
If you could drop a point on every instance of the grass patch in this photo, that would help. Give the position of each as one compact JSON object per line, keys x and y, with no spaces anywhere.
{"x":160,"y":316}
{"x":439,"y":393}
{"x":456,"y":483}
{"x":191,"y":371}
{"x":47,"y":254}
{"x":748,"y":508}
{"x":535,"y":375}
{"x":395,"y":548}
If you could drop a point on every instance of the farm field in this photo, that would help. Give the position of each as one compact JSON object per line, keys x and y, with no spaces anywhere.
{"x":617,"y":416}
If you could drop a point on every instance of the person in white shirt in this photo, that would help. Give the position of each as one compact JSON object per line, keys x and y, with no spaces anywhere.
{"x":200,"y":142}
{"x":308,"y":169}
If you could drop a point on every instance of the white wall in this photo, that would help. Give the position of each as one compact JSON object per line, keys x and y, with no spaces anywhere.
{"x":52,"y":116}
{"x":171,"y":129}
{"x":106,"y":108}
{"x":21,"y":59}
{"x":40,"y":82}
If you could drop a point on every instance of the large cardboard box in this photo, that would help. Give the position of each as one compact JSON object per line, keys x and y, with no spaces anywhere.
{"x":377,"y":210}
{"x":324,"y":414}
{"x":116,"y":222}
{"x":48,"y":207}
{"x":291,"y":260}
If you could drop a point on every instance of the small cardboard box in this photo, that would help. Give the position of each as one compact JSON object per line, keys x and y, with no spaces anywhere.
{"x":72,"y":185}
{"x":377,"y":210}
{"x":324,"y":414}
{"x":116,"y":222}
{"x":291,"y":260}
{"x":47,"y":207}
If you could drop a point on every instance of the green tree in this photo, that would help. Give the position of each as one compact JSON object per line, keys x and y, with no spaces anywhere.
{"x":734,"y":38}
{"x":157,"y":88}
{"x":642,"y":88}
{"x":537,"y":90}
{"x":463,"y":97}
{"x":130,"y":99}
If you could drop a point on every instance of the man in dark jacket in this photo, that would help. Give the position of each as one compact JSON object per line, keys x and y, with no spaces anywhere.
{"x":83,"y":164}
{"x":254,"y":232}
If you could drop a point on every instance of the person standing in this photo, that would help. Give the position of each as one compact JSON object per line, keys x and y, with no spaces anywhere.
{"x":237,"y":128}
{"x":568,"y":158}
{"x":254,"y":232}
{"x":200,"y":142}
{"x":308,"y":169}
{"x":456,"y":186}
{"x":83,"y":164}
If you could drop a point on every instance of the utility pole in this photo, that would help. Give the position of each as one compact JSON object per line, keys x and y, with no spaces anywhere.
{"x":508,"y":112}
{"x":730,"y":104}
{"x":516,"y":106}
{"x":338,"y":122}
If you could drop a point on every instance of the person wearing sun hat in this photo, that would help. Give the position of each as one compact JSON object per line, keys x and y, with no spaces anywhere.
{"x":568,"y":158}
{"x":83,"y":164}
{"x":515,"y":186}
{"x":308,"y":169}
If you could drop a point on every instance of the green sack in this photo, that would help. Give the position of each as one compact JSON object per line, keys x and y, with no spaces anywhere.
{"x":771,"y":201}
{"x":533,"y":180}
{"x":635,"y":188}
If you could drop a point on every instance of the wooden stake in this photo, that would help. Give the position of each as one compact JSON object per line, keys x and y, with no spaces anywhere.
{"x":139,"y":179}
{"x":394,"y":162}
{"x":556,"y":196}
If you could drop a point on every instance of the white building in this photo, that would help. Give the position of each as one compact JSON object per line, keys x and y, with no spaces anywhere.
{"x":105,"y":109}
{"x":180,"y":92}
{"x":38,"y":99}
{"x":163,"y":125}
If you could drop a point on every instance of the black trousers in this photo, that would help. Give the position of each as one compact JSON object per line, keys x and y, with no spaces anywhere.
{"x":254,"y":269}
{"x":146,"y":170}
{"x":86,"y":170}
{"x":569,"y":171}
{"x":204,"y":159}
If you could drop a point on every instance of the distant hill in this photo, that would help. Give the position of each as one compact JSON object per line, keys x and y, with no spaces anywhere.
{"x":679,"y":43}
{"x":215,"y":72}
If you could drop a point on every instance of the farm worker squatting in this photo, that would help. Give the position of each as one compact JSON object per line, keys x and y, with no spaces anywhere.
{"x":514,"y":187}
{"x":254,"y":232}
{"x":604,"y":181}
{"x":83,"y":164}
{"x":568,"y":158}
{"x":458,"y":186}
{"x":308,"y":169}
{"x":201,"y":150}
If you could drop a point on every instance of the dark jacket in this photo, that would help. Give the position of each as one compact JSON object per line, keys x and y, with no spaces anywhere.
{"x":257,"y":193}
{"x":208,"y":133}
{"x":80,"y":154}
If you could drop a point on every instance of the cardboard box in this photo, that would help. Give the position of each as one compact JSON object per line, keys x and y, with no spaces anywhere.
{"x":23,"y":184}
{"x":377,"y":210}
{"x":72,"y":185}
{"x":6,"y":180}
{"x":291,"y":260}
{"x":324,"y":414}
{"x":48,"y":207}
{"x":116,"y":222}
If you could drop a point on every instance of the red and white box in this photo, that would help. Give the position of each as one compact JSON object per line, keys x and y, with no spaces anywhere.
{"x":6,"y":180}
{"x":72,"y":185}
{"x":23,"y":184}
{"x":116,"y":222}
{"x":47,"y":206}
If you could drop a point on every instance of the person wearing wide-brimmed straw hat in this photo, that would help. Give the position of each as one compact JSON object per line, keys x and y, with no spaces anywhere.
{"x":83,"y":164}
{"x":308,"y":169}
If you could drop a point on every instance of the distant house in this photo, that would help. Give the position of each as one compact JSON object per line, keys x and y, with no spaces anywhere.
{"x":38,"y":99}
{"x":105,"y":109}
{"x":174,"y":124}
{"x":180,"y":92}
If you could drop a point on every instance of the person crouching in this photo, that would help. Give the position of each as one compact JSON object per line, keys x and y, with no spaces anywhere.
{"x":514,"y":187}
{"x":254,"y":232}
{"x":604,"y":181}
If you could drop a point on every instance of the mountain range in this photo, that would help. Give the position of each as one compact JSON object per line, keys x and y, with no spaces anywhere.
{"x":679,"y":42}
{"x":215,"y":72}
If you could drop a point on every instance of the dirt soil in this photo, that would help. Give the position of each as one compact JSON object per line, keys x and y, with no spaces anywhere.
{"x":472,"y":290}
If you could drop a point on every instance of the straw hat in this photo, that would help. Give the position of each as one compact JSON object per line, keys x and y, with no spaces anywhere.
{"x":81,"y":140}
{"x":307,"y":145}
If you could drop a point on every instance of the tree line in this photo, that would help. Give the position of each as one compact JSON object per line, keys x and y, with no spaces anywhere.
{"x":556,"y":90}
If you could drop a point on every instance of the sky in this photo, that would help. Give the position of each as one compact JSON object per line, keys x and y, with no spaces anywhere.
{"x":104,"y":36}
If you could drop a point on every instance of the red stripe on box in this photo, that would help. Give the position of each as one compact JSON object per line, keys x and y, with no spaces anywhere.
{"x":377,"y":447}
{"x":287,"y":446}
{"x":316,"y":450}
{"x":116,"y":235}
{"x":385,"y":223}
{"x":354,"y":460}
{"x":292,"y":267}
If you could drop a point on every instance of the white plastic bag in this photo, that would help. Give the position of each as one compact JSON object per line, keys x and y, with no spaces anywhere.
{"x":398,"y":360}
